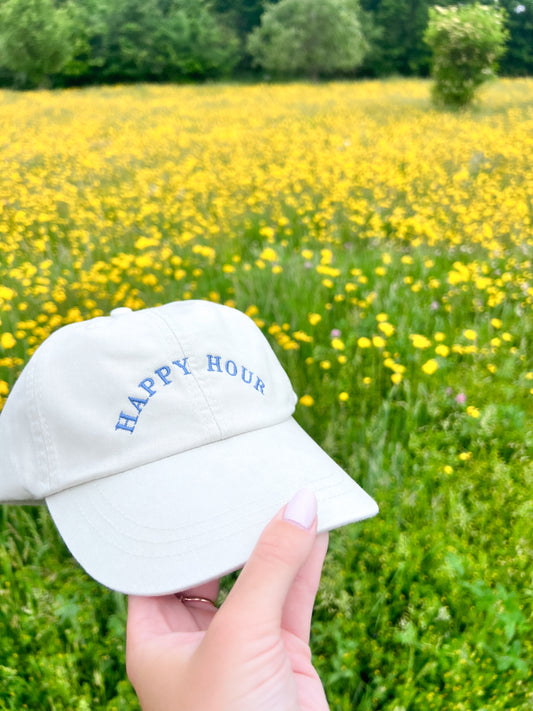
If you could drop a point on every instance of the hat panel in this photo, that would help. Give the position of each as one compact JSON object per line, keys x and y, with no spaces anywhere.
{"x":123,"y":394}
{"x":238,"y":372}
{"x":23,"y":470}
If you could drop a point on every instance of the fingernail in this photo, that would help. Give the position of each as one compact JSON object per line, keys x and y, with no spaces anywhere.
{"x":301,"y":509}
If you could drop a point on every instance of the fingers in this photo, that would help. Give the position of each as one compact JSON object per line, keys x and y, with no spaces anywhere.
{"x":258,"y":597}
{"x":298,"y":608}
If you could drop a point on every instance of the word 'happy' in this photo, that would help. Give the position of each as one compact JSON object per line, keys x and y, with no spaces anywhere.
{"x":152,"y":385}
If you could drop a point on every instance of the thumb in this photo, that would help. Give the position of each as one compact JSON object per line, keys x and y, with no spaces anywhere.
{"x":284,"y":546}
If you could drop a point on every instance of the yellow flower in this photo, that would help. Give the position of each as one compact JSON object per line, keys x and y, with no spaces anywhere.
{"x":325,"y":364}
{"x":430,"y":366}
{"x":342,"y":359}
{"x":306,"y":401}
{"x":465,"y":456}
{"x":307,"y":254}
{"x":4,"y":388}
{"x":472,"y":411}
{"x":470,"y":334}
{"x":439,"y":336}
{"x":396,"y":378}
{"x":7,"y":340}
{"x":495,"y":323}
{"x":343,"y":397}
{"x":364,"y":342}
{"x":302,"y":336}
{"x":442,"y":350}
{"x":386,"y":328}
{"x":419,"y":341}
{"x":268,"y":255}
{"x":378,"y":342}
{"x":507,"y":337}
{"x":337,"y":344}
{"x":448,"y":469}
{"x":367,"y":380}
{"x":314,"y":319}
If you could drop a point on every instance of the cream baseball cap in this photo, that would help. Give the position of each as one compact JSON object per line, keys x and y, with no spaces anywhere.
{"x":162,"y":441}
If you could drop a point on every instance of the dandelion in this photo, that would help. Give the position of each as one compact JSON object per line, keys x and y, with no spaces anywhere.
{"x":396,"y":378}
{"x":7,"y":340}
{"x":344,"y":397}
{"x":314,"y":319}
{"x":386,"y":328}
{"x":364,"y":342}
{"x":337,"y":344}
{"x":419,"y":341}
{"x":325,"y":364}
{"x":430,"y":366}
{"x":378,"y":342}
{"x":470,"y":334}
{"x":448,"y":469}
{"x":465,"y":456}
{"x":442,"y":350}
{"x":4,"y":388}
{"x":472,"y":411}
{"x":307,"y":401}
{"x":495,"y":323}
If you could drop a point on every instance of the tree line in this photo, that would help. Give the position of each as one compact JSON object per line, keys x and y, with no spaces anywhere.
{"x":77,"y":42}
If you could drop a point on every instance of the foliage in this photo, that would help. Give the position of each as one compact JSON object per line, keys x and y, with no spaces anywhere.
{"x":131,"y":40}
{"x":385,"y":251}
{"x":466,"y":41}
{"x":309,"y":37}
{"x":36,"y":39}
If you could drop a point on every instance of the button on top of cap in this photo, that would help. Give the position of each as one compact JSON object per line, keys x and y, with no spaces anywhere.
{"x":121,"y":311}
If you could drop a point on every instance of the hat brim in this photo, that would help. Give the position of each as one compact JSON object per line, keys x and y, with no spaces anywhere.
{"x":195,"y":516}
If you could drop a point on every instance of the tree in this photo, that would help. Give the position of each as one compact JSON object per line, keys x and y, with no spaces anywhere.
{"x":466,"y":41}
{"x":518,"y":59}
{"x":36,"y":39}
{"x":309,"y":37}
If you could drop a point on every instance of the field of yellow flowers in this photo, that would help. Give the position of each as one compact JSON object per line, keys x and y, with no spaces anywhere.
{"x":386,"y":250}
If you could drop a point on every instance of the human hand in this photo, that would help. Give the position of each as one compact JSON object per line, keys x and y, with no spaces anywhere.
{"x":253,"y":653}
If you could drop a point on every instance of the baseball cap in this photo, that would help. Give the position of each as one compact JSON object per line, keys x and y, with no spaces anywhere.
{"x":162,"y":441}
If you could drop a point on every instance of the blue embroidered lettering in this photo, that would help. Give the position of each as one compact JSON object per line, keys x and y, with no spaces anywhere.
{"x":259,"y":385}
{"x":243,"y":375}
{"x":163,"y":373}
{"x":231,"y":368}
{"x":213,"y":361}
{"x":137,"y":404}
{"x":128,"y":424}
{"x":183,"y":365}
{"x":147,"y":384}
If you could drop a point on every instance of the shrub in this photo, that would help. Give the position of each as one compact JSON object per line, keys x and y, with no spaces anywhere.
{"x":309,"y":37}
{"x":466,"y":42}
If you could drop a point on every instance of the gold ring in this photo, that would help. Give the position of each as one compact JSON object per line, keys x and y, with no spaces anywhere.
{"x":194,"y":598}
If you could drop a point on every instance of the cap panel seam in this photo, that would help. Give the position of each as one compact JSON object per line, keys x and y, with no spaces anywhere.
{"x":196,"y":380}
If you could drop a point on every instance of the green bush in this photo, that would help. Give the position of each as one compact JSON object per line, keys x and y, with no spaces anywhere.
{"x":36,"y":39}
{"x":466,"y":42}
{"x":311,"y":37}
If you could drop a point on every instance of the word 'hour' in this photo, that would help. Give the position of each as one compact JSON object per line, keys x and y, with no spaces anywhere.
{"x":153,"y":384}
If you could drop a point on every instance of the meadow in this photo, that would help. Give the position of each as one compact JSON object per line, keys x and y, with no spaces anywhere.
{"x":386,"y":251}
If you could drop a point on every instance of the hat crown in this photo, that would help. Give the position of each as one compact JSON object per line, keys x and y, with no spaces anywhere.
{"x":113,"y":393}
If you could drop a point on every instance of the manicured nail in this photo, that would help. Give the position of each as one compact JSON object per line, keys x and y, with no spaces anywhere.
{"x":301,"y":509}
